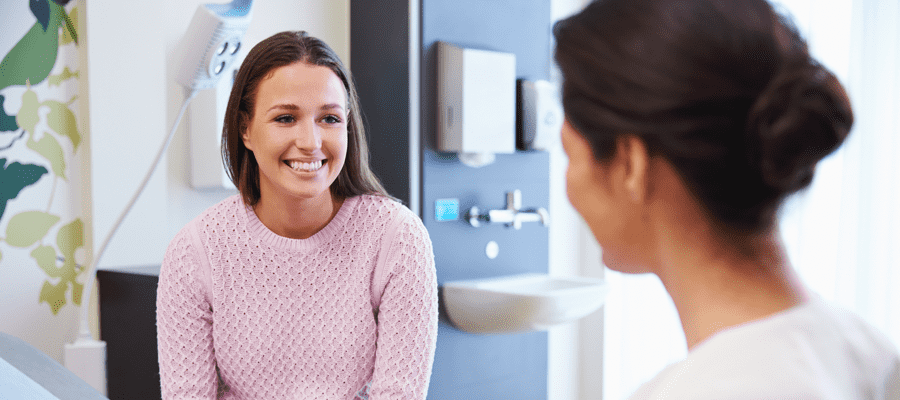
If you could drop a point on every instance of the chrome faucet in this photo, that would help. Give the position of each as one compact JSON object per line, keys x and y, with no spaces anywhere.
{"x":512,"y":215}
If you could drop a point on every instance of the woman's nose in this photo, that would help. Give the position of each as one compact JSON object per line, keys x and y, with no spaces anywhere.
{"x":308,"y":136}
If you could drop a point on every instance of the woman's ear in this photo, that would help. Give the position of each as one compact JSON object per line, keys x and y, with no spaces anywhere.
{"x":636,"y":162}
{"x":245,"y":136}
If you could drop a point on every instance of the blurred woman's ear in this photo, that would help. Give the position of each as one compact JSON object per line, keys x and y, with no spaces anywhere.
{"x":632,"y":156}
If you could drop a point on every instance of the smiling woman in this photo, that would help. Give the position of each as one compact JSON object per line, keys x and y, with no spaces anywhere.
{"x":298,"y":136}
{"x":312,"y":283}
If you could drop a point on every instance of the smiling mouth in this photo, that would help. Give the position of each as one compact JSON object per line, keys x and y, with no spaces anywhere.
{"x":305,"y":167}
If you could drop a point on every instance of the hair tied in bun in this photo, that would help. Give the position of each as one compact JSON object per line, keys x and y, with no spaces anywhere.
{"x":800,"y":117}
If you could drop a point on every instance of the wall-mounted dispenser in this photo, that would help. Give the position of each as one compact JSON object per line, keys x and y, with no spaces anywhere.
{"x":476,"y":103}
{"x":540,"y":115}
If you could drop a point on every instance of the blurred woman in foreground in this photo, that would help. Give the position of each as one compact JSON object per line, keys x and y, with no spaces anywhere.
{"x":688,"y":123}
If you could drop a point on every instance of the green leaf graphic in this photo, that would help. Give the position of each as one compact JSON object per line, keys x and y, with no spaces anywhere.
{"x":41,"y":11}
{"x":69,"y":238}
{"x":62,"y":120}
{"x":32,"y":58}
{"x":54,"y":295}
{"x":70,"y":29}
{"x":49,"y":148}
{"x":56,"y":80}
{"x":46,"y":259}
{"x":7,"y":122}
{"x":77,"y":289}
{"x":28,"y":114}
{"x":14,"y":178}
{"x":26,"y":228}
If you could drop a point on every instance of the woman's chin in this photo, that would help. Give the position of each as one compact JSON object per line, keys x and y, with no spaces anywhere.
{"x":624,"y":266}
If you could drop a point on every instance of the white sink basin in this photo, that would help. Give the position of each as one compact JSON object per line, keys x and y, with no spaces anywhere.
{"x":521,"y":303}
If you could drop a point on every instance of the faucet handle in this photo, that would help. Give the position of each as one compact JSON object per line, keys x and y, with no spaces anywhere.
{"x":514,"y":200}
{"x":513,"y":215}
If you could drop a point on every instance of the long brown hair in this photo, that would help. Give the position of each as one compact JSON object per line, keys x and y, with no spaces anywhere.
{"x":279,"y":50}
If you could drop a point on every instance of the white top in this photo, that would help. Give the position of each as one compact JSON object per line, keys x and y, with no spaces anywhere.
{"x":811,"y":351}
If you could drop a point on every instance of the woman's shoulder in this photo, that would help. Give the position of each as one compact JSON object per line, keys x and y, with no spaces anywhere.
{"x":385,"y":218}
{"x":229,"y":209}
{"x":799,"y":352}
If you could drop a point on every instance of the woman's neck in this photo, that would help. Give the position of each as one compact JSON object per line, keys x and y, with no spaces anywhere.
{"x":297,"y":218}
{"x":715,"y":286}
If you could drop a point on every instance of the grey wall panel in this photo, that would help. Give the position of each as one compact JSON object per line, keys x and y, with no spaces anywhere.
{"x":486,"y":366}
{"x":380,"y":64}
{"x":467,"y":366}
{"x":459,"y":248}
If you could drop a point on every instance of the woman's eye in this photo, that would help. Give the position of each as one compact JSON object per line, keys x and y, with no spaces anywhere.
{"x":285,"y":119}
{"x":331,"y":119}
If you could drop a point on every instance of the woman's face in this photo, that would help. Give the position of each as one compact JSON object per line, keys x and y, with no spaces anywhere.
{"x":298,"y":131}
{"x":595,"y":191}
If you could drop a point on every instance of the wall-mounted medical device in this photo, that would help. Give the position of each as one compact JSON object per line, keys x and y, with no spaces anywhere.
{"x":476,"y":103}
{"x":209,"y":55}
{"x":212,"y":42}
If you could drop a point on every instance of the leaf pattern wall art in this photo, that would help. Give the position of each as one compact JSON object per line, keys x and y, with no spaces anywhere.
{"x":39,"y":148}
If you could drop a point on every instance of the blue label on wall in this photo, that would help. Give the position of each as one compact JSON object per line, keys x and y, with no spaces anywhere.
{"x":446,"y":209}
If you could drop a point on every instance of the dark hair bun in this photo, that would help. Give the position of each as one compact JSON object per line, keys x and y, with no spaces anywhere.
{"x":800,"y":117}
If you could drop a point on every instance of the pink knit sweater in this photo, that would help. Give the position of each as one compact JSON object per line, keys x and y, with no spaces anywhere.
{"x":348,"y":313}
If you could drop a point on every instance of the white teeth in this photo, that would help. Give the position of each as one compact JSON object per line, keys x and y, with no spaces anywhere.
{"x":309,"y":167}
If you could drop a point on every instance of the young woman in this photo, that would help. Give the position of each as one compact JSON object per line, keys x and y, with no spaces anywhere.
{"x":312,"y":283}
{"x":688,"y":122}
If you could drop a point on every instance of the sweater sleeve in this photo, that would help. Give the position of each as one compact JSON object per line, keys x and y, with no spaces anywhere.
{"x":184,"y":323}
{"x":407,"y":316}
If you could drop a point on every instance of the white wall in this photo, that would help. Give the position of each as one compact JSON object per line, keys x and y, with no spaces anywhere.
{"x":575,"y":350}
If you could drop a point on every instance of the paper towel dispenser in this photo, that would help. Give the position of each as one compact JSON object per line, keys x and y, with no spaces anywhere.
{"x":476,"y":103}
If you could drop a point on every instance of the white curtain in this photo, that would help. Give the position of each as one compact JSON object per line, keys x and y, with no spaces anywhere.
{"x":842,"y":234}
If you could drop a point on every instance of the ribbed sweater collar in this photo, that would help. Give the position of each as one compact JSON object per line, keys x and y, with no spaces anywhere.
{"x":258,"y":230}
